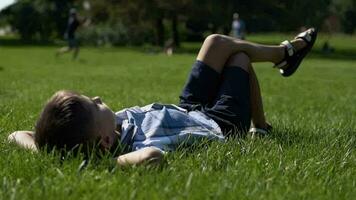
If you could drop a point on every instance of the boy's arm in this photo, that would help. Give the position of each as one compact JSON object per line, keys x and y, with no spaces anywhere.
{"x":24,"y":139}
{"x":145,"y":155}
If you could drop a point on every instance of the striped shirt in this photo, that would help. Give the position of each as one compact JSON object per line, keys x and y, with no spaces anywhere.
{"x":165,"y":127}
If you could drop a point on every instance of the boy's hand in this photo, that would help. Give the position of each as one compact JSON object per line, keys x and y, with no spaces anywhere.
{"x":23,"y":139}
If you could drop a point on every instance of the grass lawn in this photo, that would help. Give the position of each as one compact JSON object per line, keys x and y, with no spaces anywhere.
{"x":309,"y":155}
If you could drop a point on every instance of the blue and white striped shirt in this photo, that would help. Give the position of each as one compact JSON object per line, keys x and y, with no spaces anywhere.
{"x":165,"y":127}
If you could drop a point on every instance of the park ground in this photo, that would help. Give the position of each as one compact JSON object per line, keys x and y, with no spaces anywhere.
{"x":310,"y":154}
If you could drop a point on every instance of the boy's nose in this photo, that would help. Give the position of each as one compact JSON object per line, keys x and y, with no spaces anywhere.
{"x":97,"y":100}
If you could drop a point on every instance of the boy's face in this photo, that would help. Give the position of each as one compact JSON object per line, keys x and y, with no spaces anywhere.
{"x":104,"y":119}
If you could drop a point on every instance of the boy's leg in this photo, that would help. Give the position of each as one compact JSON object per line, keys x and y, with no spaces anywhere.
{"x":239,"y":99}
{"x":74,"y":44}
{"x":217,"y":49}
{"x":204,"y":81}
{"x":201,"y":87}
{"x":237,"y":96}
{"x":231,"y":108}
{"x":75,"y":52}
{"x":63,"y":50}
{"x":257,"y":112}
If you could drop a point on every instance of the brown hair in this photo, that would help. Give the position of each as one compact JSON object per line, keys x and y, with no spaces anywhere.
{"x":66,"y":123}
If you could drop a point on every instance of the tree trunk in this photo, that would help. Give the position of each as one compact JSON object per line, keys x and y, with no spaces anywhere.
{"x":159,"y":32}
{"x":175,"y":30}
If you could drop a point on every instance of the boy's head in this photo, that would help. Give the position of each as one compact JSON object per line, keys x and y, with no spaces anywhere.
{"x":70,"y":120}
{"x":73,"y":12}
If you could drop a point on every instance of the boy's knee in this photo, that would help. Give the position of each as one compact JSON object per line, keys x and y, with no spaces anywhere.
{"x":239,"y":60}
{"x":215,"y":39}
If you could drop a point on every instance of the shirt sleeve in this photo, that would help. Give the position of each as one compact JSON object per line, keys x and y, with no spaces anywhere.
{"x":121,"y":116}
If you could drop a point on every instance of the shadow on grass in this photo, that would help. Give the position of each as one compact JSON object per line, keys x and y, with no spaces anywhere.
{"x":293,"y":136}
{"x":338,"y":54}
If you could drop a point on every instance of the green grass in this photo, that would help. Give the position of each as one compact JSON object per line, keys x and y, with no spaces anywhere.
{"x":309,"y":155}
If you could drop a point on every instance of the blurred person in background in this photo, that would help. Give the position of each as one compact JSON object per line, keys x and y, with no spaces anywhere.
{"x":238,"y":27}
{"x":73,"y":44}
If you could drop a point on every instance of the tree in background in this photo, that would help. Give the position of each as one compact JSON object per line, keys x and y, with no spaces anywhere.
{"x":38,"y":19}
{"x":346,"y":11}
{"x":136,"y":22}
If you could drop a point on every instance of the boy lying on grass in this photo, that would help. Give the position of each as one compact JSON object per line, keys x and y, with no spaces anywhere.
{"x":220,"y":99}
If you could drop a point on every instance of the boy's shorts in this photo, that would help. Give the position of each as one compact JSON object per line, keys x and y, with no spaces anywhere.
{"x":223,"y":97}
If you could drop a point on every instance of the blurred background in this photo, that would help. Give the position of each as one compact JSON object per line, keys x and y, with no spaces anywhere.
{"x":164,"y":23}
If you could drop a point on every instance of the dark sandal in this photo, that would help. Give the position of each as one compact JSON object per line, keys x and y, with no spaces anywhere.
{"x":260,"y":132}
{"x":293,"y":57}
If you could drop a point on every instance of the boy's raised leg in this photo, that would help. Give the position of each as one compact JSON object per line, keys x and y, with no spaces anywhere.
{"x":217,"y":49}
{"x":257,"y":113}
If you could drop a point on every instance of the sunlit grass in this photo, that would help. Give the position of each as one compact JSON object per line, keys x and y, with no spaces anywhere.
{"x":309,"y":155}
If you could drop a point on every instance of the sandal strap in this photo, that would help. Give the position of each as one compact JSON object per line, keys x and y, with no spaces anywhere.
{"x":258,"y":130}
{"x":305,"y":36}
{"x":290,"y":51}
{"x":281,"y":64}
{"x":289,"y":47}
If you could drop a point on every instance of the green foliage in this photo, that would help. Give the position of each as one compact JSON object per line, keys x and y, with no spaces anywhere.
{"x":25,"y":19}
{"x":348,"y":14}
{"x":115,"y":34}
{"x":143,"y":21}
{"x":38,"y":19}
